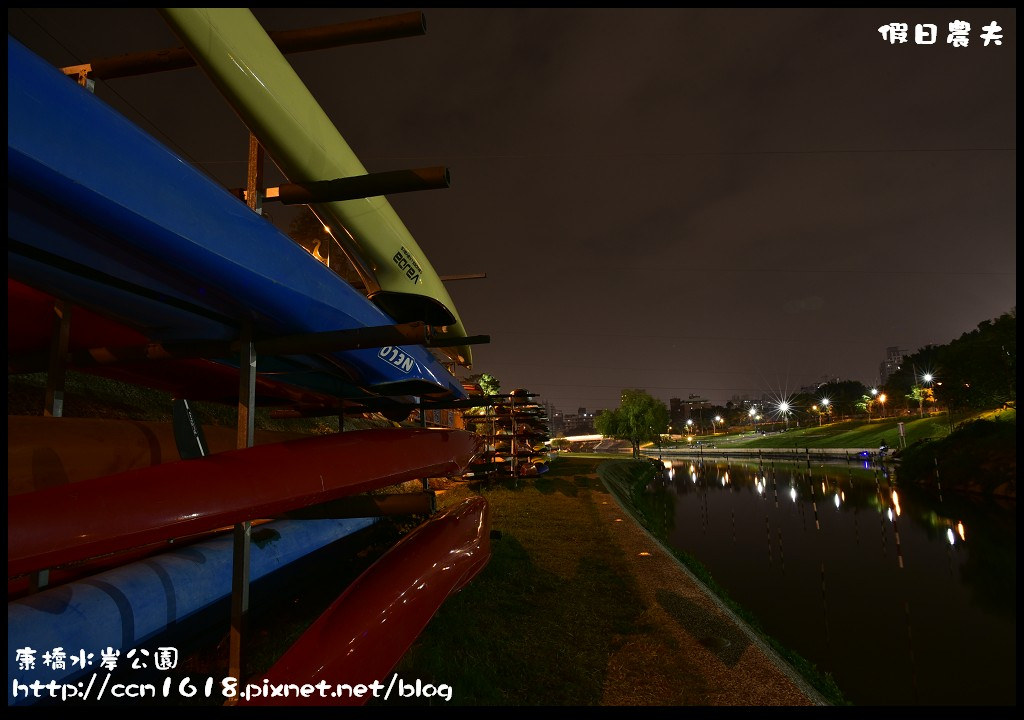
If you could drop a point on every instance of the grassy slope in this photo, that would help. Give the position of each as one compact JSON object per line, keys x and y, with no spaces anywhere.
{"x":980,"y":456}
{"x":545,"y":623}
{"x":848,"y":434}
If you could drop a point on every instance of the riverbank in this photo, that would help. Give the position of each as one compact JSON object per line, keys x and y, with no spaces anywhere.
{"x":579,"y":605}
{"x":979,"y":455}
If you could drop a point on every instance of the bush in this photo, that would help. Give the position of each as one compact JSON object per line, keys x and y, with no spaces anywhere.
{"x":979,"y":456}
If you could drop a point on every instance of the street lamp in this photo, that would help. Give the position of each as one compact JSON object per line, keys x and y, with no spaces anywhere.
{"x":881,"y":401}
{"x":716,"y":421}
{"x":927,"y":378}
{"x":784,"y":411}
{"x":825,"y":402}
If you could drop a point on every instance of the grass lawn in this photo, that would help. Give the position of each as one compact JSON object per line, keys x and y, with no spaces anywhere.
{"x":848,"y":434}
{"x":568,"y":613}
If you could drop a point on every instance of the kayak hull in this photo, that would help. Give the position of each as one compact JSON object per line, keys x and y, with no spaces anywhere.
{"x":59,"y":525}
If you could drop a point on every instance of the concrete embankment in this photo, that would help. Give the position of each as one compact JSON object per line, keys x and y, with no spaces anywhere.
{"x":793,"y":453}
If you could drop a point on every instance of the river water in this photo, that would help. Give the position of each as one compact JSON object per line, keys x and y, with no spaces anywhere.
{"x":905,"y":597}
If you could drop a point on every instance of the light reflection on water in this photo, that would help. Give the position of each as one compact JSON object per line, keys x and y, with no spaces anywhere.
{"x":904,"y":598}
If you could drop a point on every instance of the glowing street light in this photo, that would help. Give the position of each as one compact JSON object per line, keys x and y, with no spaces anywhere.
{"x":927,"y":378}
{"x":717,"y":421}
{"x":821,"y":410}
{"x":881,"y":401}
{"x":753,"y":417}
{"x":784,"y":411}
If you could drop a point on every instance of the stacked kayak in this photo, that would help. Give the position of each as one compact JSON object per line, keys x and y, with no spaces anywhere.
{"x":515,"y":432}
{"x":146,"y":250}
{"x":102,"y":215}
{"x":234,"y":50}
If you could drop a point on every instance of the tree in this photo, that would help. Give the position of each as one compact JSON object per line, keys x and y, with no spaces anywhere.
{"x":639,"y":418}
{"x":921,"y":395}
{"x":490,"y":384}
{"x":976,"y":371}
{"x":866,"y":404}
{"x":843,"y":396}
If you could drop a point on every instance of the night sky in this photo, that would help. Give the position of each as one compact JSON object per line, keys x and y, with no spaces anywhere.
{"x":709,"y":202}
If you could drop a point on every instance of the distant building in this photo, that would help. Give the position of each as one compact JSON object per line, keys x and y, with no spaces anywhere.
{"x":580,"y":424}
{"x":679,"y":411}
{"x":557,"y":420}
{"x":893,"y":359}
{"x":675,"y":412}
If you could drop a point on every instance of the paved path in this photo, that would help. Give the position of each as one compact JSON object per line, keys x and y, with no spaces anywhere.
{"x":681,"y":647}
{"x":703,"y":644}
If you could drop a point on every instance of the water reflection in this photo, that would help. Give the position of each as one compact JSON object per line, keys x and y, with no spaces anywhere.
{"x":921,"y":616}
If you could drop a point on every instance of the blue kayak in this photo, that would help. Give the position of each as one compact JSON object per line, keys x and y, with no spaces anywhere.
{"x":103,"y":215}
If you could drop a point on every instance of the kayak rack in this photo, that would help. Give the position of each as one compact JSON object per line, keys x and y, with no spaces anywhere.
{"x":321,"y":37}
{"x":247,"y":348}
{"x":525,"y":414}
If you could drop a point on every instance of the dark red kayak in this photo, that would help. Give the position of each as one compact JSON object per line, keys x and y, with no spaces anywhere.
{"x":102,"y":515}
{"x":29,"y":327}
{"x":360,"y":638}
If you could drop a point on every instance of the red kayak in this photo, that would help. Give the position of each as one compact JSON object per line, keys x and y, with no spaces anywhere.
{"x":44,"y":452}
{"x":360,"y":638}
{"x":29,"y":326}
{"x":109,"y":514}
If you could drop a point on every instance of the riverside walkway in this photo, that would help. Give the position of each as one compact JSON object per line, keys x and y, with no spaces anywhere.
{"x":788,"y":453}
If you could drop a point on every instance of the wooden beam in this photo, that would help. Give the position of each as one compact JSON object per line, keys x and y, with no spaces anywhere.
{"x":357,"y":186}
{"x":288,"y":41}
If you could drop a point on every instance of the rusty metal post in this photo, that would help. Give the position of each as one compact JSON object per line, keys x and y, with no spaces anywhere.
{"x":246,"y":388}
{"x":239,"y":596}
{"x":243,"y":530}
{"x":61,"y":332}
{"x":245,"y":436}
{"x":254,"y":179}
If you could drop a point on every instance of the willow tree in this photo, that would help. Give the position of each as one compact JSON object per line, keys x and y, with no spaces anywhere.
{"x":639,"y":418}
